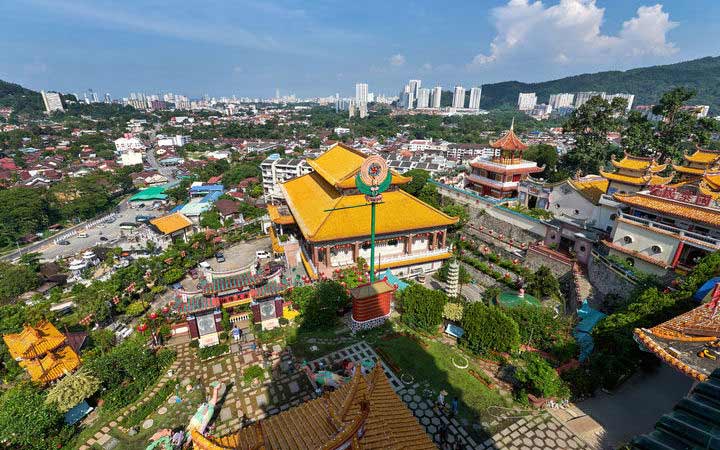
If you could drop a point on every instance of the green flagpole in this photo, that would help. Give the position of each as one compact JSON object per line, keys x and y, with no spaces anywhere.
{"x":372,"y":242}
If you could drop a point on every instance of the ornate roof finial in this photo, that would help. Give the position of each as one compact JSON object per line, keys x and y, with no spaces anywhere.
{"x":512,"y":124}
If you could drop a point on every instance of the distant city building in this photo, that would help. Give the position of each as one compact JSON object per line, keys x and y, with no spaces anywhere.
{"x":475,"y":98}
{"x":582,"y":97}
{"x":173,"y":141}
{"x":564,"y":100}
{"x":128,"y":142}
{"x":541,"y":111}
{"x":52,"y":101}
{"x":526,"y":101}
{"x":361,"y":94}
{"x":458,"y":97}
{"x":423,"y":100}
{"x":699,"y":111}
{"x":629,"y":97}
{"x":436,"y":97}
{"x":415,"y":88}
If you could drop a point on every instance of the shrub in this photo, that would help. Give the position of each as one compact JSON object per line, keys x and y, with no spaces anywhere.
{"x":321,"y":308}
{"x":253,"y":372}
{"x":453,"y":311}
{"x":213,"y":351}
{"x":136,"y":309}
{"x":422,"y":308}
{"x":539,"y":378}
{"x":488,"y":328}
{"x":71,"y":390}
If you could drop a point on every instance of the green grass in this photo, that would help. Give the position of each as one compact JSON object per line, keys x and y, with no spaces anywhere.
{"x":139,"y":415}
{"x":434,"y":365}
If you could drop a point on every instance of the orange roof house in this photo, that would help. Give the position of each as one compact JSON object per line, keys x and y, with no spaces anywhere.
{"x":42,"y":350}
{"x":171,"y":223}
{"x":365,"y":413}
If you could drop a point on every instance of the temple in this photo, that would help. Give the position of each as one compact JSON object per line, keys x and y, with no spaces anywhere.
{"x":635,"y":173}
{"x":500,"y":176}
{"x":43,"y":352}
{"x":363,"y":414}
{"x":327,"y":220}
{"x":665,"y":228}
{"x":682,"y":342}
{"x":697,"y":164}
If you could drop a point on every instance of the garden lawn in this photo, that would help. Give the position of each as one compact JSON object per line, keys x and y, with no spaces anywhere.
{"x":434,"y":364}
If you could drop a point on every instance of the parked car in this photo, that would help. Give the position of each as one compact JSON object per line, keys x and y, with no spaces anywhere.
{"x":103,"y":238}
{"x":262,"y":254}
{"x":64,"y":242}
{"x":219,"y":257}
{"x":204,"y":265}
{"x":82,"y":235}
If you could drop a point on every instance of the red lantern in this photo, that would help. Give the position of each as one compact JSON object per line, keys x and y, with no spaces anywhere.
{"x":142,"y":327}
{"x":165,"y":310}
{"x":153,"y":315}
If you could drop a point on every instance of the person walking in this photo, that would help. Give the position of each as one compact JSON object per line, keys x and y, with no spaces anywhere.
{"x":455,"y":406}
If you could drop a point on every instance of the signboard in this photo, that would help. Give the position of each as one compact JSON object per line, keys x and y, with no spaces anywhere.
{"x":208,"y":340}
{"x":683,"y":196}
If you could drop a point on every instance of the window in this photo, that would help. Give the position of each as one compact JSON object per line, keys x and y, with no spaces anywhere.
{"x":628,"y":239}
{"x":656,"y":249}
{"x":582,"y":248}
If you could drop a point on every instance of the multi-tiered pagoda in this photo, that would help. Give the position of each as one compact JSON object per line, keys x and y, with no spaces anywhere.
{"x":500,"y":175}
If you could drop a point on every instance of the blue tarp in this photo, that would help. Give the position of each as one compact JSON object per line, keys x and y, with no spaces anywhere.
{"x":211,"y":197}
{"x":392,"y":279}
{"x":589,"y":317}
{"x":177,"y":208}
{"x":705,"y":289}
{"x":454,"y":330}
{"x":77,"y":413}
{"x":205,"y":188}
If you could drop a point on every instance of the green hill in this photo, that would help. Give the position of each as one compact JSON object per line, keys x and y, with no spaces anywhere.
{"x":647,"y":83}
{"x":20,"y":99}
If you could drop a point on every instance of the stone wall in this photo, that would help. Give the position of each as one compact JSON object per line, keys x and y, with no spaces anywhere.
{"x":612,"y":288}
{"x":488,"y":220}
{"x":560,"y":268}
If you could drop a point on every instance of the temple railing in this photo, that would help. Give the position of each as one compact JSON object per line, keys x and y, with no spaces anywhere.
{"x":661,"y":226}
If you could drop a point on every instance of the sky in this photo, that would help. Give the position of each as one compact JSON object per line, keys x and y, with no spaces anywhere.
{"x":320,"y":47}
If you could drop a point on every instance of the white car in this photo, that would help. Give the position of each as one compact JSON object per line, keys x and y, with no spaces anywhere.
{"x":262,"y":254}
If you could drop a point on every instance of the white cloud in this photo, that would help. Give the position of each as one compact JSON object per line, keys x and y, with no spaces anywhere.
{"x":237,"y":69}
{"x":570,"y":32}
{"x":397,"y":60}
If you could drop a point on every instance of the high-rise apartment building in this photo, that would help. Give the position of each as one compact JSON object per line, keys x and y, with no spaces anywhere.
{"x":629,"y":97}
{"x":458,"y":97}
{"x":52,"y":101}
{"x":582,"y":97}
{"x":436,"y":97}
{"x":361,"y":93}
{"x":423,"y":100}
{"x":475,"y":98}
{"x":527,"y":101}
{"x":415,"y":88}
{"x":564,"y":100}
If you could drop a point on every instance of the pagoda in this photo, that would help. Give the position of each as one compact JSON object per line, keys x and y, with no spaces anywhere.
{"x":710,"y":184}
{"x":500,"y":175}
{"x":363,"y":414}
{"x":635,"y":173}
{"x":697,"y":164}
{"x":43,"y":352}
{"x":330,"y":220}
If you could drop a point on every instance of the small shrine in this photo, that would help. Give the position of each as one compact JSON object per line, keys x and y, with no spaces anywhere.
{"x":43,"y":352}
{"x":371,"y":304}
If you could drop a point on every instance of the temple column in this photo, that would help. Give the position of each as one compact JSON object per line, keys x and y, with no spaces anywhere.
{"x":408,"y":244}
{"x":679,"y":250}
{"x":327,"y":256}
{"x":315,"y":255}
{"x":356,"y":251}
{"x":431,"y":241}
{"x":444,"y":236}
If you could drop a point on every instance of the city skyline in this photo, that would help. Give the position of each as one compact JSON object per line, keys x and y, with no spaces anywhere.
{"x":254,"y":48}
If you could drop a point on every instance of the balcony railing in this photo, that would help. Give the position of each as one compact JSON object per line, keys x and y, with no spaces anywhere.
{"x":661,"y":226}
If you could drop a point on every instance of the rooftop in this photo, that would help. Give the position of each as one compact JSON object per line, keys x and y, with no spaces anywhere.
{"x":171,"y":223}
{"x":672,"y":207}
{"x":33,"y":342}
{"x":509,"y":141}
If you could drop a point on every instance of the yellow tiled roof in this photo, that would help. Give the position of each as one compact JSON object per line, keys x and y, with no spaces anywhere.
{"x":671,"y":207}
{"x":308,"y":268}
{"x":590,"y":188}
{"x":52,"y":366}
{"x":339,"y":165}
{"x":277,"y":248}
{"x":647,"y":180}
{"x":407,"y":262}
{"x":712,"y":179}
{"x":690,"y":170}
{"x":703,"y":156}
{"x":33,"y":342}
{"x":638,"y":163}
{"x":310,"y":197}
{"x":328,"y":422}
{"x":705,"y":189}
{"x":278,"y":218}
{"x":171,"y":223}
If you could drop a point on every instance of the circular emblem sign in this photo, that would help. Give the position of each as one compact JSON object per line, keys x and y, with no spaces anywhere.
{"x":374,"y":170}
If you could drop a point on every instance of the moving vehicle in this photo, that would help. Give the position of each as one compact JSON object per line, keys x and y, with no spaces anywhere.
{"x":82,"y":235}
{"x":64,"y":242}
{"x":262,"y":254}
{"x":219,"y":257}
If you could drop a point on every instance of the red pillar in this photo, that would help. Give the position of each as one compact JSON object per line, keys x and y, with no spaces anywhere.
{"x":356,"y":251}
{"x":315,"y":255}
{"x":679,"y":250}
{"x":327,"y":256}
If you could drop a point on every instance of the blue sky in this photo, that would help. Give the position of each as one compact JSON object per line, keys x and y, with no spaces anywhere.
{"x":252,"y":47}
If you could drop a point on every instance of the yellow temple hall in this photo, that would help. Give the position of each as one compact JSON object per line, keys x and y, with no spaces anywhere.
{"x":326,"y":216}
